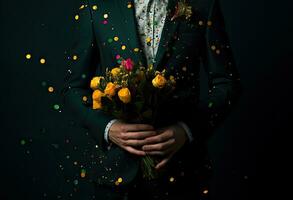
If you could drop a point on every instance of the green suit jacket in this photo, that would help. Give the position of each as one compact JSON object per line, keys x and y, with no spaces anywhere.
{"x":185,"y":45}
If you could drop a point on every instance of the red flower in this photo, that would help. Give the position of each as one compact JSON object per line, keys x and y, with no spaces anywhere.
{"x":127,"y":64}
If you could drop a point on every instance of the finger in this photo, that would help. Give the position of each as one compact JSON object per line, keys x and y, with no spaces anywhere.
{"x":137,"y":127}
{"x":157,"y":153}
{"x":159,"y":146}
{"x":159,"y":138}
{"x":163,"y":163}
{"x":134,"y":143}
{"x":134,"y":151}
{"x":138,"y":135}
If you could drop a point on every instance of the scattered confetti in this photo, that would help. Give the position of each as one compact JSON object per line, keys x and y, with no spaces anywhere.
{"x":123,"y":47}
{"x":129,"y":5}
{"x":74,"y":57}
{"x":83,"y":76}
{"x":110,"y":40}
{"x":22,"y":142}
{"x":56,"y":107}
{"x":28,"y":56}
{"x":75,"y":182}
{"x":210,"y":23}
{"x":106,"y":16}
{"x":84,"y":98}
{"x":50,"y":89}
{"x":42,"y":61}
{"x":95,"y":7}
{"x":116,"y":38}
{"x":81,"y":7}
{"x":83,"y":173}
{"x":205,"y":191}
{"x":76,"y":17}
{"x":171,"y":179}
{"x":44,"y":83}
{"x":120,"y":180}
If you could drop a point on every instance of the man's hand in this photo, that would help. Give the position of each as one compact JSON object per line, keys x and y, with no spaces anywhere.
{"x":131,"y":137}
{"x":166,"y":143}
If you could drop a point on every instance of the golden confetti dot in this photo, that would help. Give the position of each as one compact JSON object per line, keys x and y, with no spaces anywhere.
{"x":81,"y":7}
{"x":106,"y":16}
{"x":218,"y":51}
{"x":148,"y":39}
{"x":172,"y":179}
{"x":76,"y":17}
{"x":200,"y":23}
{"x":28,"y":56}
{"x":95,"y":7}
{"x":116,"y":38}
{"x":120,"y":180}
{"x":117,"y":183}
{"x":74,"y":57}
{"x":205,"y":191}
{"x":123,"y":47}
{"x":129,"y":5}
{"x":84,"y":98}
{"x":210,"y":23}
{"x":136,"y":49}
{"x":213,"y":47}
{"x":42,"y":60}
{"x":50,"y":89}
{"x":82,"y":174}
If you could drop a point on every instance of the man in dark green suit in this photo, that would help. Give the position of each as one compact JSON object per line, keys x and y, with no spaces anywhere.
{"x":192,"y":32}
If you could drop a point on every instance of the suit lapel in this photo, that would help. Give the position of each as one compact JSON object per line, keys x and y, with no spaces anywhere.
{"x":129,"y":30}
{"x":167,"y":33}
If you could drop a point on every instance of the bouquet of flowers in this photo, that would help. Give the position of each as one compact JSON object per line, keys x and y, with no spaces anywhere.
{"x":133,"y":93}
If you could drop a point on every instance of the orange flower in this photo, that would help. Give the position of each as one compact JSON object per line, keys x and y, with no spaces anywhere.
{"x":95,"y":82}
{"x":115,"y":71}
{"x":97,"y":105}
{"x":110,"y":89}
{"x":159,"y":81}
{"x":124,"y":95}
{"x":97,"y":99}
{"x":97,"y":95}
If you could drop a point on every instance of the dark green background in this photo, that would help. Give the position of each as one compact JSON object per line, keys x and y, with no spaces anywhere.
{"x":245,"y":150}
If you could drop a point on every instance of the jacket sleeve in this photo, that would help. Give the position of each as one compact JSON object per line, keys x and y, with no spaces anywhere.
{"x":223,"y":77}
{"x":83,"y":62}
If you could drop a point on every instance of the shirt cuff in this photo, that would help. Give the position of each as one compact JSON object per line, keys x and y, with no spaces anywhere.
{"x":106,"y":133}
{"x":187,"y":130}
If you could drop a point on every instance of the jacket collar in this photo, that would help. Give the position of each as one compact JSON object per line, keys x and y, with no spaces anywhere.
{"x":128,"y":15}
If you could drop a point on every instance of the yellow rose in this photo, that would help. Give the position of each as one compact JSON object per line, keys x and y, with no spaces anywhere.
{"x":97,"y":95}
{"x":95,"y":82}
{"x":115,"y":71}
{"x":159,"y":81}
{"x":124,"y":95}
{"x":110,"y":89}
{"x":97,"y":104}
